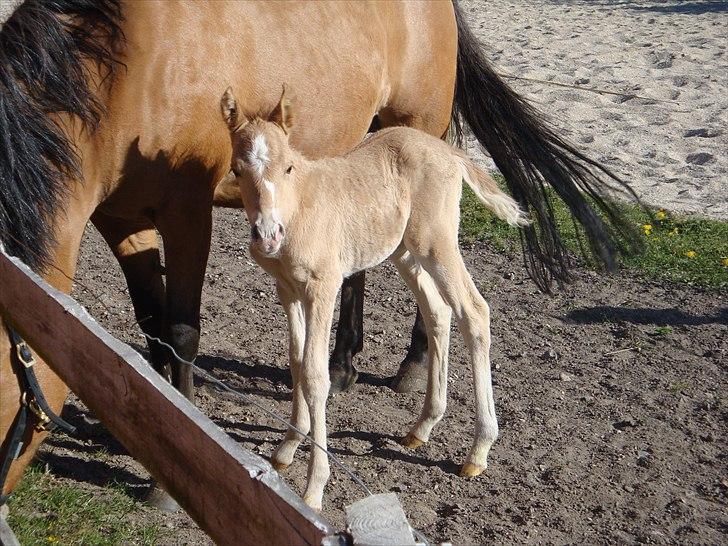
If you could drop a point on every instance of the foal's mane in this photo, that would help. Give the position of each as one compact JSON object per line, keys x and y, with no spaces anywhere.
{"x":44,"y":49}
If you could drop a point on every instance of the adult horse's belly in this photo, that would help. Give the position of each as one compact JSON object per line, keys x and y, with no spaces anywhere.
{"x":334,"y":57}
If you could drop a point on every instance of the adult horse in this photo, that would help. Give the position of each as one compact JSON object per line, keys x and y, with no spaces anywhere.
{"x":110,"y":113}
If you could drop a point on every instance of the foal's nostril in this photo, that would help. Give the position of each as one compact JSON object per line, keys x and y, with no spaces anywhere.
{"x":255,"y":234}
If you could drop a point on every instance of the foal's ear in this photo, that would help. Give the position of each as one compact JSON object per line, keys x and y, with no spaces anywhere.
{"x":229,"y":107}
{"x":282,"y":115}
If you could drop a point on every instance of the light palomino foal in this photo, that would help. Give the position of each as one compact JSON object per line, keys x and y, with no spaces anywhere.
{"x":394,"y":197}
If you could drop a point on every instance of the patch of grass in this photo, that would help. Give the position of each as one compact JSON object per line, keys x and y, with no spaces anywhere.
{"x":679,"y":386}
{"x":663,"y":331}
{"x":44,"y":510}
{"x":678,"y":249}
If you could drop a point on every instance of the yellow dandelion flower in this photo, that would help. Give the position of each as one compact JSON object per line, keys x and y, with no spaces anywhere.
{"x":661,"y":214}
{"x":691,"y":254}
{"x":673,"y":232}
{"x":725,"y":262}
{"x":647,"y":228}
{"x":52,"y":539}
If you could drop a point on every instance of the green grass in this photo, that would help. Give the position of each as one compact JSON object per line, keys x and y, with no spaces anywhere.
{"x":45,"y":510}
{"x":679,"y":249}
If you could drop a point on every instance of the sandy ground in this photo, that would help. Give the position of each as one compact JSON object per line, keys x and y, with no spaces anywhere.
{"x":674,"y":153}
{"x":611,"y":398}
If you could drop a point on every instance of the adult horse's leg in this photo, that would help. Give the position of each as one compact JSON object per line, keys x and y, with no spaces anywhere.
{"x":349,"y":334}
{"x":59,"y":274}
{"x":135,"y":245}
{"x":185,"y":224}
{"x":412,"y":373}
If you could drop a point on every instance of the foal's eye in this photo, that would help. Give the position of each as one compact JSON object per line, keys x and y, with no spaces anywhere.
{"x":289,"y":169}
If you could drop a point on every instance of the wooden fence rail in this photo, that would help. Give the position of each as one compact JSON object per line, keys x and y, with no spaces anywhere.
{"x":232,"y":494}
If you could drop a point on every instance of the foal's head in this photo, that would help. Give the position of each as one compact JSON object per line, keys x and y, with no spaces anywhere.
{"x":263,"y":164}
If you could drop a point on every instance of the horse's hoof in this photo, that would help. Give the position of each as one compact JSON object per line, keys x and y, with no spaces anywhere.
{"x":161,"y":500}
{"x":411,"y":377}
{"x":280,"y":467}
{"x":411,"y":441}
{"x":470,"y":470}
{"x":341,"y":378}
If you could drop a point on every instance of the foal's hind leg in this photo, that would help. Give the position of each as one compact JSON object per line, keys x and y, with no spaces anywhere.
{"x":473,"y":315}
{"x":436,"y":316}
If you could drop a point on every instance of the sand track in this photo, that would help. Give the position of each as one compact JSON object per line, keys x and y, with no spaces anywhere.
{"x":675,"y":154}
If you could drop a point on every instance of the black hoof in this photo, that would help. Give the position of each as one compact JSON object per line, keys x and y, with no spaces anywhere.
{"x":341,"y":378}
{"x":411,"y":377}
{"x":161,"y":500}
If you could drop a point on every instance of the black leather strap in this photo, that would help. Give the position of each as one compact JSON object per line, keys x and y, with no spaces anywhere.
{"x":12,"y":446}
{"x":32,"y":388}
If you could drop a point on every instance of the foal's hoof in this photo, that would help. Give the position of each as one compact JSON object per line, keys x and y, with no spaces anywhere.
{"x":411,"y":441}
{"x":411,"y":377}
{"x":470,"y":470}
{"x":161,"y":500}
{"x":341,"y":378}
{"x":280,"y":467}
{"x":314,"y":503}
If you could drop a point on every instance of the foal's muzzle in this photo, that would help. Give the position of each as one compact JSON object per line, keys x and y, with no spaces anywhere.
{"x":267,"y":237}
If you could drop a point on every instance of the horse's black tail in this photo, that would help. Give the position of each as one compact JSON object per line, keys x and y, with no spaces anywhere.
{"x":44,"y":50}
{"x":530,"y":154}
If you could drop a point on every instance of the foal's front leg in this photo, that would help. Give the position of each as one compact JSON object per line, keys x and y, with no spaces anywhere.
{"x":283,"y":456}
{"x":319,"y":303}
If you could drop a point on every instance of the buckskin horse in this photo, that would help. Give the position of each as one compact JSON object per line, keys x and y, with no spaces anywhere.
{"x":110,"y":113}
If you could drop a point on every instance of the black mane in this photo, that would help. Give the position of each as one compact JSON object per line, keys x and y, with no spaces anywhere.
{"x":44,"y":49}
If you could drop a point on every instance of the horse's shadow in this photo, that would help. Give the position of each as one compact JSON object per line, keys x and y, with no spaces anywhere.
{"x":693,"y":8}
{"x":645,"y":316}
{"x":251,"y":370}
{"x":93,"y":440}
{"x":379,"y":442}
{"x":690,"y":8}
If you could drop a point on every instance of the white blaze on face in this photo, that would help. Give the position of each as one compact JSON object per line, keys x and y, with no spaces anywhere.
{"x":258,"y":155}
{"x":270,"y":187}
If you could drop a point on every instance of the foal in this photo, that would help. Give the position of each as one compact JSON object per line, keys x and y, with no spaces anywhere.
{"x":394,"y":197}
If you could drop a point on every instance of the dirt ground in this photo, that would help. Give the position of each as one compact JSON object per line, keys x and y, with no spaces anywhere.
{"x":610,"y":397}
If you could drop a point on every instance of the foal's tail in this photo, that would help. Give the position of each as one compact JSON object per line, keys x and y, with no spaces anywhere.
{"x":502,"y":204}
{"x":531,"y":155}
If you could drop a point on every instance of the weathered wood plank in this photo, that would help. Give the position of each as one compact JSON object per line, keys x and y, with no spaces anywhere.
{"x":234,"y":495}
{"x":7,"y":537}
{"x":379,"y":520}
